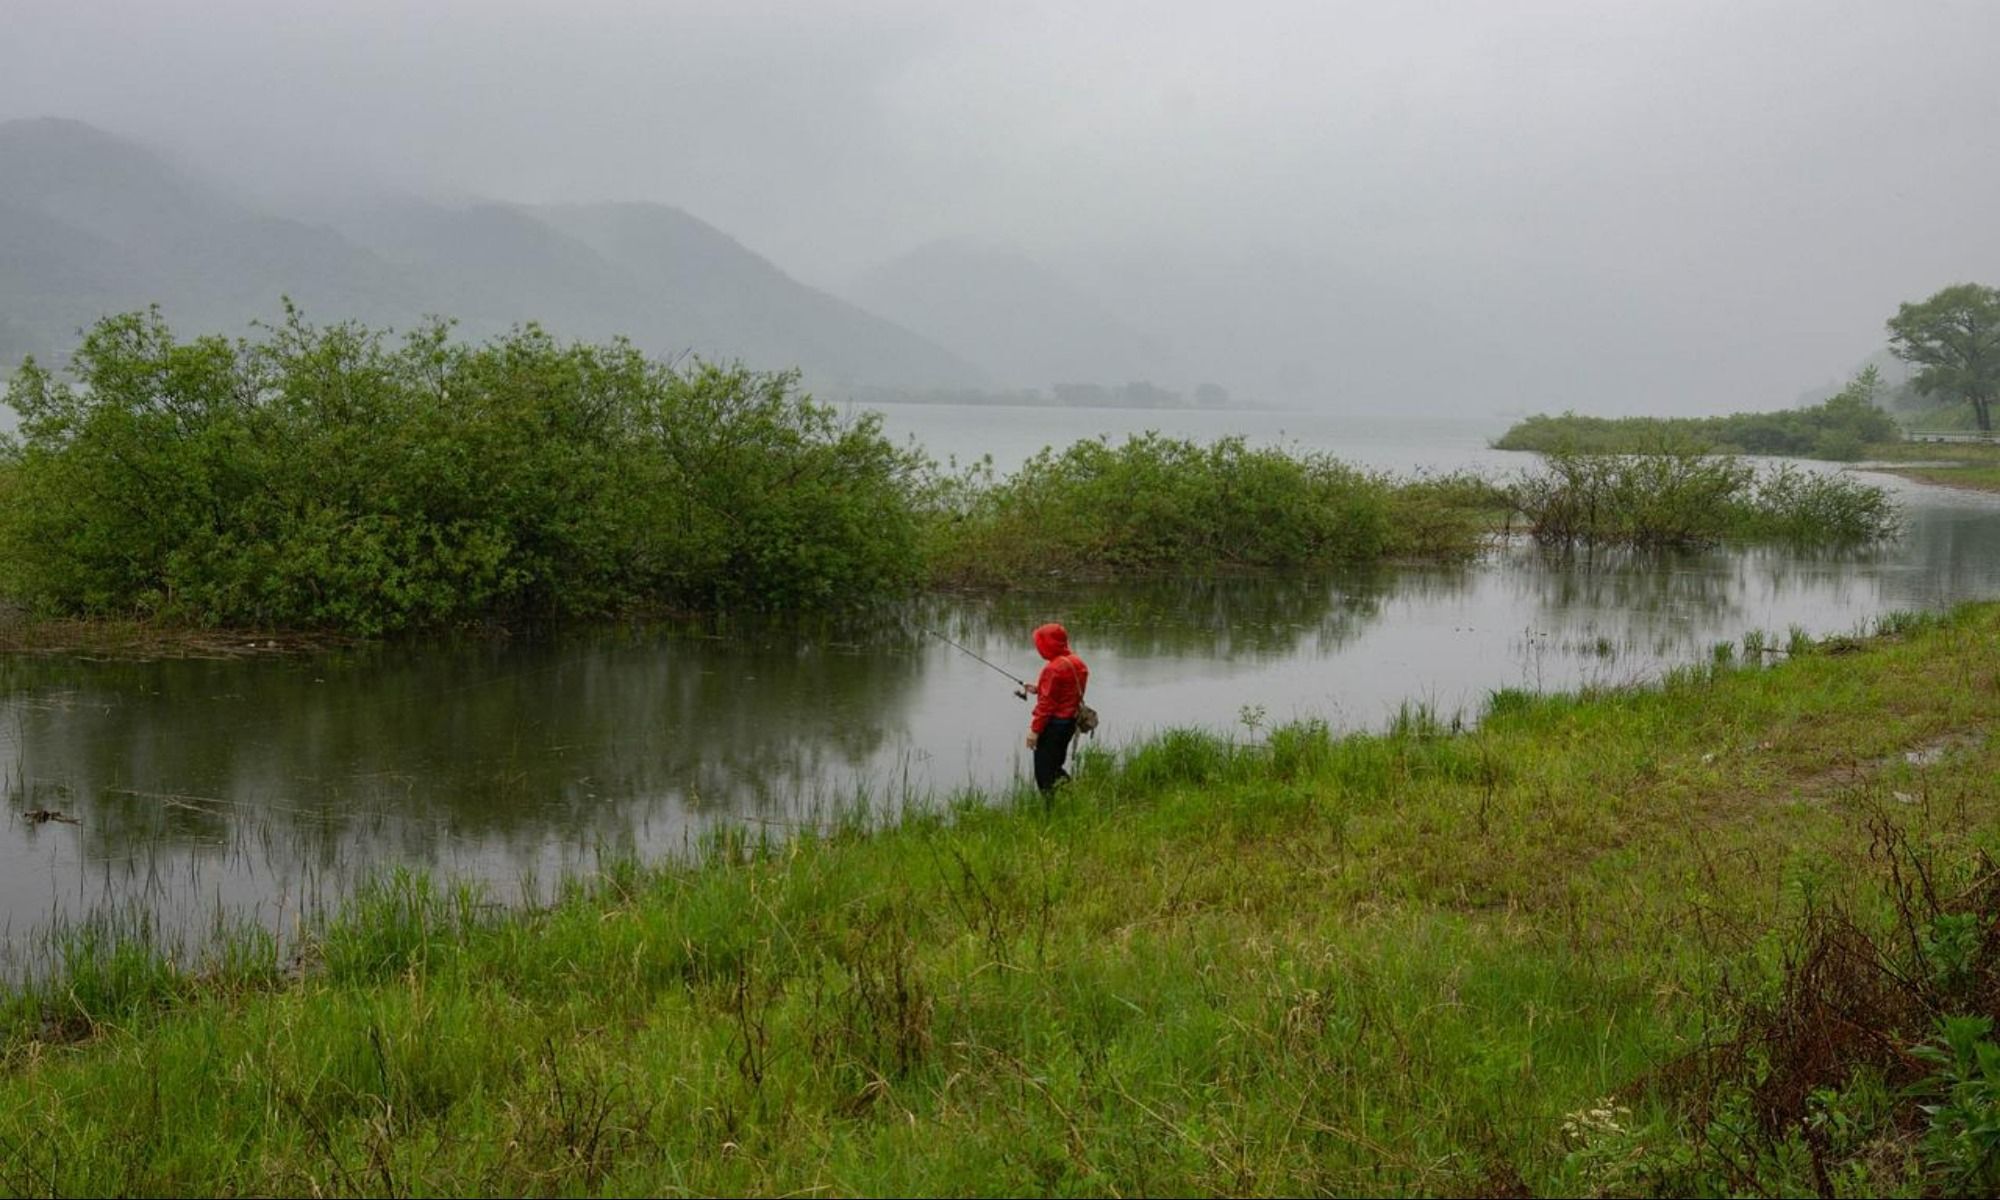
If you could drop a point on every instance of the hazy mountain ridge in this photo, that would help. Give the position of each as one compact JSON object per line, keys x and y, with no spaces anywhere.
{"x":92,"y":224}
{"x":1020,"y":321}
{"x":746,"y":305}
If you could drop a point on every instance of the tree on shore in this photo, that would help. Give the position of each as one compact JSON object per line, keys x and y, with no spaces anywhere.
{"x":1953,"y":339}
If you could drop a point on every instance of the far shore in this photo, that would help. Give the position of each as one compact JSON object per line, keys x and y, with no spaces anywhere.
{"x":1962,"y":478}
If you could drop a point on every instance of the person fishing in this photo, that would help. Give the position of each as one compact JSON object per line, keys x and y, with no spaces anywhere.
{"x":1060,"y":711}
{"x":1058,"y":698}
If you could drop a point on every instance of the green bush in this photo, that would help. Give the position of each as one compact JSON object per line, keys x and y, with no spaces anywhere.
{"x":1839,"y":445}
{"x":1795,"y":505}
{"x":327,"y":478}
{"x":1156,"y":504}
{"x":1690,"y":499}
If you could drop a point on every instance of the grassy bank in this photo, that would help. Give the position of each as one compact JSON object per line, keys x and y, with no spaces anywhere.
{"x":1559,"y":953}
{"x":1971,"y":478}
{"x":1974,"y":467}
{"x":1969,"y":454}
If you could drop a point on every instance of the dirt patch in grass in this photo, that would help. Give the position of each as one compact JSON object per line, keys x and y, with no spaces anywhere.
{"x":1848,"y":774}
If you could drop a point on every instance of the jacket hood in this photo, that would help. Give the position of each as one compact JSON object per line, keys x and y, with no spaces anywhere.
{"x":1052,"y":641}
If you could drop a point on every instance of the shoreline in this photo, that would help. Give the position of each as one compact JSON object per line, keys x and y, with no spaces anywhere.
{"x":1963,"y":478}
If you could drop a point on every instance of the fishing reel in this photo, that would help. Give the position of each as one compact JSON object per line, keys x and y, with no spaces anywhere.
{"x":1024,"y":692}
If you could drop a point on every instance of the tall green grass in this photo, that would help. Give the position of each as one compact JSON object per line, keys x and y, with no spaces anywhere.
{"x":1433,"y":960}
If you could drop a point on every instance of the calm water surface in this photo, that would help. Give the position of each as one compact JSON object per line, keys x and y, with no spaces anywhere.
{"x":254,"y":789}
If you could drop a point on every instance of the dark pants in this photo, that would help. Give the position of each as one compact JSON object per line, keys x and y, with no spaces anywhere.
{"x":1052,"y":751}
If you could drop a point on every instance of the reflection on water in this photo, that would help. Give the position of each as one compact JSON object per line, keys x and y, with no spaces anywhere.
{"x":251,"y":787}
{"x":1186,"y":619}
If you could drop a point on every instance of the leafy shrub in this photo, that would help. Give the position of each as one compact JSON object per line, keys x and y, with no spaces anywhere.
{"x":324,"y":477}
{"x":1814,"y":506}
{"x":1962,"y":1145}
{"x":1156,"y":504}
{"x":1839,"y":445}
{"x":1689,"y":499}
{"x":1641,"y":500}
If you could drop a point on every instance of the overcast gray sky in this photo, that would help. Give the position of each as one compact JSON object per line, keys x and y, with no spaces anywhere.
{"x":1616,"y":205}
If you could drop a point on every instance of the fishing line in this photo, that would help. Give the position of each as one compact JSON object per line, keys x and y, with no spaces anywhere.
{"x":1004,"y":671}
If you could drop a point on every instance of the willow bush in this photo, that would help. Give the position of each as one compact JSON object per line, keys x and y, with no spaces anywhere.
{"x":1157,"y":504}
{"x":1689,"y":499}
{"x":329,"y":477}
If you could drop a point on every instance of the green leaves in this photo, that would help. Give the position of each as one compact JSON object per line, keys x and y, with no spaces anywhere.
{"x":1953,"y":339}
{"x":1963,"y":1141}
{"x":1690,"y":499}
{"x":326,"y":477}
{"x":1157,"y":503}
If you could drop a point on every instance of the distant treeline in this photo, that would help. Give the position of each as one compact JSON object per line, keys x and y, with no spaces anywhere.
{"x":331,"y":478}
{"x":1840,"y":429}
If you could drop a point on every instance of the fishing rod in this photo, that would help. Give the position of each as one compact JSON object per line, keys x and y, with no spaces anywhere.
{"x":1023,"y":684}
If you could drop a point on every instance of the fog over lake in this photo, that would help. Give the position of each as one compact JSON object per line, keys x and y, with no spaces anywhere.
{"x":1458,"y":209}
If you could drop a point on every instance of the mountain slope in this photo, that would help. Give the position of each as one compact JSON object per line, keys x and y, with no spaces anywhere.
{"x":92,"y":224}
{"x":1003,"y":311}
{"x":491,"y":266}
{"x":720,"y":294}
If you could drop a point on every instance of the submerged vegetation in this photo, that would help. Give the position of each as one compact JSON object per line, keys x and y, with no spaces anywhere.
{"x":1734,"y":934}
{"x":1158,"y":504}
{"x":1842,"y":428}
{"x":1691,"y":499}
{"x":331,"y":479}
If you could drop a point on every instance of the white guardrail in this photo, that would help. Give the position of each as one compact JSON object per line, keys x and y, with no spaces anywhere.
{"x":1950,"y":435}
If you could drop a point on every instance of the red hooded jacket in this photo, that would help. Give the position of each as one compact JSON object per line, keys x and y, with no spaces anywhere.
{"x":1060,"y":688}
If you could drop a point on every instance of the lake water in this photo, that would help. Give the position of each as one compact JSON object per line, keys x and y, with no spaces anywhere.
{"x":256,"y":788}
